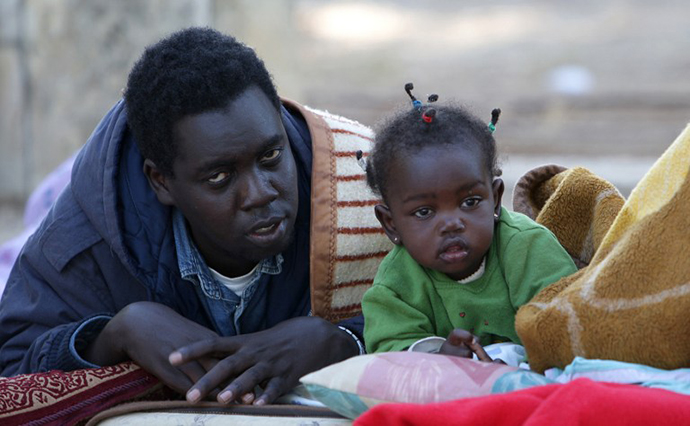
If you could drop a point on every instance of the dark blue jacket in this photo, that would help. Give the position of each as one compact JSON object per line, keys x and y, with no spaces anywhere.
{"x":108,"y":242}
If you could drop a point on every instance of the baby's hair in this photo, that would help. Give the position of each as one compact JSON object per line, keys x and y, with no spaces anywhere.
{"x":411,"y":129}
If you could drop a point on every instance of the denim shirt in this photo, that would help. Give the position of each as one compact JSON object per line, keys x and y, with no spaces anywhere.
{"x":223,"y":306}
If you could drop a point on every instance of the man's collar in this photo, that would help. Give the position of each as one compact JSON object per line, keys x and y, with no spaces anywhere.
{"x":192,"y":263}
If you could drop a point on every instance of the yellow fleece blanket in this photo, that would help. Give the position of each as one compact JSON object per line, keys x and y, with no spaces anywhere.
{"x":632,"y":302}
{"x":575,"y":204}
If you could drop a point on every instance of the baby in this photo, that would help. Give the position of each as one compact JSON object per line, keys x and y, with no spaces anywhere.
{"x":462,"y":265}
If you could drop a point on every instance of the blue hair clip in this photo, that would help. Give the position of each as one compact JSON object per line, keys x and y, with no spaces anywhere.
{"x":415,"y":103}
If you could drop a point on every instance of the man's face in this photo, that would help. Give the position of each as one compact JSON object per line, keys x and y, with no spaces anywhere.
{"x":235,"y":182}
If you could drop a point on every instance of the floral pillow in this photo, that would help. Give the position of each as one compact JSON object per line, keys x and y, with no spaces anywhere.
{"x":353,"y":386}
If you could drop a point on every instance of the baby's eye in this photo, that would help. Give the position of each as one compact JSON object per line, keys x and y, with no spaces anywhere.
{"x":218,"y":177}
{"x":423,"y":212}
{"x":471,"y":202}
{"x":272,"y":154}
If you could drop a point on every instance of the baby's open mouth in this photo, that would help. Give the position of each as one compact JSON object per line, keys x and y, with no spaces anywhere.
{"x":454,"y":253}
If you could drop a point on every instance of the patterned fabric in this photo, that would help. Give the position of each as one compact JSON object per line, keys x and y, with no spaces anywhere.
{"x":347,"y":242}
{"x":631,"y":302}
{"x":66,"y":398}
{"x":353,"y":386}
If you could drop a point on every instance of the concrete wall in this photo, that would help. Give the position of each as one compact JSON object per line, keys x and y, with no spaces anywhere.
{"x":585,"y":79}
{"x":64,"y":63}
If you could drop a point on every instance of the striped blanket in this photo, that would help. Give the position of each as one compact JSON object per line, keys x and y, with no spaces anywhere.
{"x":347,"y":242}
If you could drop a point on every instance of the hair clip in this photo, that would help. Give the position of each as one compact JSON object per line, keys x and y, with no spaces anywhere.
{"x":360,"y":160}
{"x":429,"y":115}
{"x":415,"y":103}
{"x":494,"y":119}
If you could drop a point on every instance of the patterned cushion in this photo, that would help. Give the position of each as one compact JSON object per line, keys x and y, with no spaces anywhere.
{"x":357,"y":384}
{"x":66,"y":398}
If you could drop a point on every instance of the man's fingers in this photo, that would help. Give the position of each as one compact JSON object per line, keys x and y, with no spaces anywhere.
{"x":173,"y":378}
{"x":242,"y":385}
{"x":211,"y":348}
{"x":272,"y":391}
{"x":248,"y":398}
{"x":224,"y":371}
{"x":193,"y":370}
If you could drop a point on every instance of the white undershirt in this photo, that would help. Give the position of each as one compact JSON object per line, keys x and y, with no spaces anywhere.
{"x":476,"y":275}
{"x":237,"y":284}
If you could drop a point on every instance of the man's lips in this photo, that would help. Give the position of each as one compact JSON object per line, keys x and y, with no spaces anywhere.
{"x":268,"y":231}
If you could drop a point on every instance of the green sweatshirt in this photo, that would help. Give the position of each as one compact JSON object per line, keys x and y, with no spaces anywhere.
{"x":409,"y":302}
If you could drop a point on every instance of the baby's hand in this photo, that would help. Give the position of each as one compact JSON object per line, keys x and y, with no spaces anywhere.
{"x":462,"y":343}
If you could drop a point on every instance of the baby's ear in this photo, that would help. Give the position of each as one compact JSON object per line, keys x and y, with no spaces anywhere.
{"x":497,"y":187}
{"x":383,"y":214}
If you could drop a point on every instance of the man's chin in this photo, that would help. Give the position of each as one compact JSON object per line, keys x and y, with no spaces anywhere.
{"x":261,"y":252}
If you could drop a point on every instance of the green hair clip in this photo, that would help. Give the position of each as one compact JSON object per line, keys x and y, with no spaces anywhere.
{"x":494,"y":119}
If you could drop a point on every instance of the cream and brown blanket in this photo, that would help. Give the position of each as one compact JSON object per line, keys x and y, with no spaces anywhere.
{"x":347,"y":242}
{"x":632,"y":301}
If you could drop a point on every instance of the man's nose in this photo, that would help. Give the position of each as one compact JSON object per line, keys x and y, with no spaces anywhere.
{"x":257,"y":191}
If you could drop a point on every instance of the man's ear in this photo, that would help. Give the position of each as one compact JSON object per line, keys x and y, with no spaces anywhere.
{"x":158,"y":182}
{"x":383,"y":214}
{"x":497,"y":187}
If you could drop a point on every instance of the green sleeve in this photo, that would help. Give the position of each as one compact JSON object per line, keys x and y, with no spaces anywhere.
{"x":534,"y":259}
{"x":391,"y":324}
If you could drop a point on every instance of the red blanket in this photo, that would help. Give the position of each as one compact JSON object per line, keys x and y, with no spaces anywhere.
{"x":580,"y":402}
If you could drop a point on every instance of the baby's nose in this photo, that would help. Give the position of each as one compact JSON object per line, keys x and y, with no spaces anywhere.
{"x":453,"y":224}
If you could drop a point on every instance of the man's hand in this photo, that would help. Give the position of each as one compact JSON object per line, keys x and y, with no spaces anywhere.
{"x":274,"y":359}
{"x":462,"y":343}
{"x":146,"y":333}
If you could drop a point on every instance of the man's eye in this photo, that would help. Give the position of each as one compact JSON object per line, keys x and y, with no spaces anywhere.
{"x":423,"y":213}
{"x":272,"y":154}
{"x":471,"y":202}
{"x":218,"y":177}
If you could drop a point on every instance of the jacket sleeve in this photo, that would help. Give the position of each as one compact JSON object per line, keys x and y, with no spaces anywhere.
{"x":38,"y":323}
{"x":59,"y":296}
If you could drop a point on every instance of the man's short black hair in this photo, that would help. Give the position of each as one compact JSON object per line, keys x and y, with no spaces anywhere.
{"x":192,"y":71}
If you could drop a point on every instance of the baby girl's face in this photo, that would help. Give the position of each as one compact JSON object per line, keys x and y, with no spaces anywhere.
{"x":442,"y":202}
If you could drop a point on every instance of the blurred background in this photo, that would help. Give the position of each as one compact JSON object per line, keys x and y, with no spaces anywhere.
{"x":602,"y":84}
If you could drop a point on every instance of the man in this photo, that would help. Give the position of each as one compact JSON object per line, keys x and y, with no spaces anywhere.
{"x":211,"y":240}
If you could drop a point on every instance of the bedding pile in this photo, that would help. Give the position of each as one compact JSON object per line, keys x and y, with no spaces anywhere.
{"x":631,"y":302}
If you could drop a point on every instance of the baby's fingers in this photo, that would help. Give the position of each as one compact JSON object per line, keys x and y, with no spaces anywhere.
{"x":479,"y":350}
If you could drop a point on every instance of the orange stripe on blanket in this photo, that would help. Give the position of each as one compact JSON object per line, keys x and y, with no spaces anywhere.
{"x":358,"y":203}
{"x":345,"y":154}
{"x":368,"y":230}
{"x":350,"y":132}
{"x":356,"y":257}
{"x":355,"y":283}
{"x":355,"y":307}
{"x":350,"y":178}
